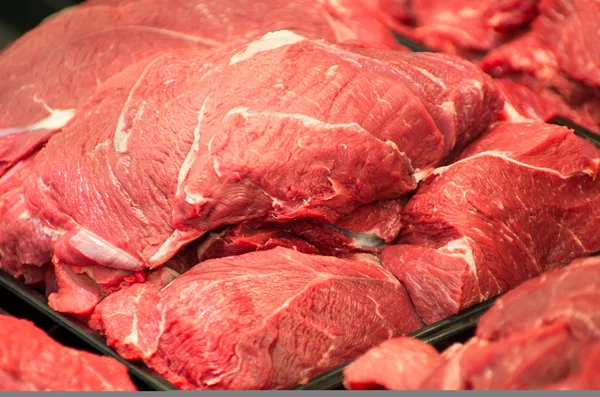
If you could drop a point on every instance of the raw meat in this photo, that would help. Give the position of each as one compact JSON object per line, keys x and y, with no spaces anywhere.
{"x":522,"y":103}
{"x":32,"y":361}
{"x":559,"y":55}
{"x":121,"y":200}
{"x":367,"y":229}
{"x":262,"y":320}
{"x":544,"y":334}
{"x":467,"y":27}
{"x":551,"y":323}
{"x":520,"y":200}
{"x":397,"y":364}
{"x":52,"y":70}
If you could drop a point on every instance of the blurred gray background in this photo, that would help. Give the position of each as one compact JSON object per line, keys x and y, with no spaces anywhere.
{"x":8,"y":33}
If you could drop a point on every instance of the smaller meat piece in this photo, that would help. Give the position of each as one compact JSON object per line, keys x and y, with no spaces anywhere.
{"x":551,"y":323}
{"x":541,"y":335}
{"x":522,"y":103}
{"x":32,"y":361}
{"x":558,"y":59}
{"x":262,"y":320}
{"x":397,"y":364}
{"x":521,"y":200}
{"x":467,"y":27}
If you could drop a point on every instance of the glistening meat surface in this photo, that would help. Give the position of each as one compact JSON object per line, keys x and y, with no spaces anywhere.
{"x":397,"y":364}
{"x":544,"y":334}
{"x":558,"y":59}
{"x":32,"y":361}
{"x":521,"y":200}
{"x":307,"y":147}
{"x":550,"y":323}
{"x":53,"y":69}
{"x":262,"y":320}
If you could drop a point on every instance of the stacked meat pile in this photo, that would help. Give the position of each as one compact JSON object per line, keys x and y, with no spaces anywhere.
{"x":545,"y":52}
{"x":542,"y":335}
{"x":30,"y":360}
{"x":219,"y":195}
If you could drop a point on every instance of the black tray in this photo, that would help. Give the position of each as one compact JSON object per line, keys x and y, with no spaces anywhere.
{"x":20,"y":300}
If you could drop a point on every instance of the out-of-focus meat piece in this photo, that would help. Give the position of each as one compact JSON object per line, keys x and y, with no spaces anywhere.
{"x":569,"y":28}
{"x":544,"y":334}
{"x":521,"y":361}
{"x":32,"y":361}
{"x":570,"y":295}
{"x":397,"y":364}
{"x":523,"y":103}
{"x":557,"y":60}
{"x":466,"y":27}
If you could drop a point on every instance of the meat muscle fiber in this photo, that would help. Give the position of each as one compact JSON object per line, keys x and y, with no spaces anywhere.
{"x":52,"y":70}
{"x":262,"y":320}
{"x":32,"y":361}
{"x":124,"y":202}
{"x":521,"y":200}
{"x":541,"y":335}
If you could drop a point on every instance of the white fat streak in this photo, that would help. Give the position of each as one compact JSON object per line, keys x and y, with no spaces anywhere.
{"x":419,"y":174}
{"x":121,"y":137}
{"x":216,"y":167}
{"x":513,"y":115}
{"x":332,"y":71}
{"x":133,"y":335}
{"x":189,"y":159}
{"x":506,"y":156}
{"x":432,"y":77}
{"x":340,"y":30}
{"x":461,"y":248}
{"x":25,"y":215}
{"x":171,"y":245}
{"x":267,"y":42}
{"x":43,"y":230}
{"x":194,"y":198}
{"x":303,"y":119}
{"x":57,"y":119}
{"x":449,"y":107}
{"x":468,"y":12}
{"x":101,"y":252}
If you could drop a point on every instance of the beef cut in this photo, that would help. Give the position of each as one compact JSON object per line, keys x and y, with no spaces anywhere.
{"x":32,"y":361}
{"x":550,"y":323}
{"x":50,"y":72}
{"x":522,"y":103}
{"x":266,"y":319}
{"x":397,"y":364}
{"x":347,"y":131}
{"x":520,"y":200}
{"x":558,"y":58}
{"x":368,"y":229}
{"x":544,"y":334}
{"x":463,"y":27}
